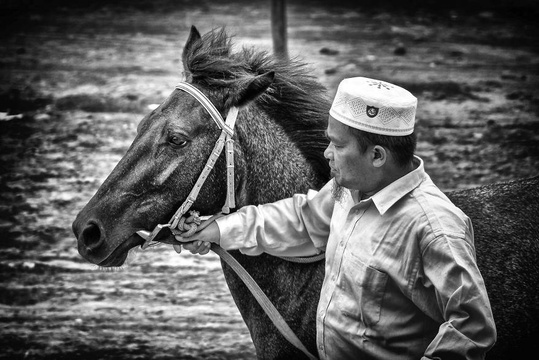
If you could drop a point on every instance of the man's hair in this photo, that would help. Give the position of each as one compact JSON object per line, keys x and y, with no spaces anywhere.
{"x":402,"y":147}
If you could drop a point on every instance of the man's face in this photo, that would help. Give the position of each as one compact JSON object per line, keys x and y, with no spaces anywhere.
{"x":350,"y":168}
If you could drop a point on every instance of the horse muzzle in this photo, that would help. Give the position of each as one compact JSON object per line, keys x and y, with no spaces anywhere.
{"x":95,"y":246}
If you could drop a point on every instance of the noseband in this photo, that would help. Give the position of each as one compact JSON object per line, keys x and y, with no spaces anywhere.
{"x":227,"y":131}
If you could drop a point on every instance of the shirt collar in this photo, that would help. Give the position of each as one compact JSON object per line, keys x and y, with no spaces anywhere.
{"x":393,"y":192}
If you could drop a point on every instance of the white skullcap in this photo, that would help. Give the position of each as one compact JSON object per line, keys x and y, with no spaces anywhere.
{"x":374,"y":106}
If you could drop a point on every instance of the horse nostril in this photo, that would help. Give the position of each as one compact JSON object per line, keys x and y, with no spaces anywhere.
{"x":91,"y":237}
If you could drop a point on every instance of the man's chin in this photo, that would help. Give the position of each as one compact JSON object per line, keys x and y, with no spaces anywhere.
{"x":337,"y":191}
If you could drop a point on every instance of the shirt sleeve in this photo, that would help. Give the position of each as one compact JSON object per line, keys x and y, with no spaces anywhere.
{"x":468,"y":330}
{"x":296,"y":226}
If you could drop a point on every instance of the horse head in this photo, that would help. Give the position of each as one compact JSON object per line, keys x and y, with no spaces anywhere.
{"x":164,"y":161}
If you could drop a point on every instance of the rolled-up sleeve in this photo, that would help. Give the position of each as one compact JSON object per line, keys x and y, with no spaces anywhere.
{"x":296,"y":226}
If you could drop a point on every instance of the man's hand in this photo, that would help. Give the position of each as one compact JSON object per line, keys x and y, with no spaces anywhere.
{"x":200,"y":242}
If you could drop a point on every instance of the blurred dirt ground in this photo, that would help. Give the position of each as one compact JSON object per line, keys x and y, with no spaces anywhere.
{"x":76,"y":77}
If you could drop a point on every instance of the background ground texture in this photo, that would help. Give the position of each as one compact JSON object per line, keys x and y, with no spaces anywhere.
{"x":75,"y":79}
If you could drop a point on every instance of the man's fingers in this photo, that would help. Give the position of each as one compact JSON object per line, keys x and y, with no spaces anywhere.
{"x":195,"y":247}
{"x":205,"y":248}
{"x":191,"y":246}
{"x":198,"y":246}
{"x":182,"y":239}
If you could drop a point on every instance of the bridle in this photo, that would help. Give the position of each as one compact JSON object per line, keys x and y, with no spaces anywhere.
{"x":227,"y":131}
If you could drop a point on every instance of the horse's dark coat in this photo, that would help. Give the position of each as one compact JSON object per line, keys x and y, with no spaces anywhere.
{"x":279,"y":145}
{"x":505,"y":217}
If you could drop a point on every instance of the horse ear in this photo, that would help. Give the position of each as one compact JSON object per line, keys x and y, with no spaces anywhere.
{"x":194,"y":37}
{"x":193,"y":40}
{"x":253,"y":89}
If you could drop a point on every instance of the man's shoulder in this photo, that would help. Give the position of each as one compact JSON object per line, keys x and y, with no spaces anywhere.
{"x":440,"y":213}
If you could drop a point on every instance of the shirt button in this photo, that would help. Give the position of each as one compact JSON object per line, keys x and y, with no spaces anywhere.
{"x":321,"y":347}
{"x":342,"y":243}
{"x":333,"y":278}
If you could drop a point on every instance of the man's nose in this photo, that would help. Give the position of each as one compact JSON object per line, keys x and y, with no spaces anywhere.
{"x":328,"y":153}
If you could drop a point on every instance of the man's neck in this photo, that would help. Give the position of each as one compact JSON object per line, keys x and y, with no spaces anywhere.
{"x":391,"y":174}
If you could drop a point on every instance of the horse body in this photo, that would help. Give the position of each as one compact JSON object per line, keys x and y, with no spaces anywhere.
{"x":506,"y":235}
{"x":279,"y":152}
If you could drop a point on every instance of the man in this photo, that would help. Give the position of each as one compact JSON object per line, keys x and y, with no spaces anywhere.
{"x":401,"y":279}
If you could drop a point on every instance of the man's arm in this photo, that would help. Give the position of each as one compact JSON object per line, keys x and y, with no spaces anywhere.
{"x":469,"y":330}
{"x":297,"y":226}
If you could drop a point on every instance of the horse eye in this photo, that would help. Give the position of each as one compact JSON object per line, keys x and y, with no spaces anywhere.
{"x":177,"y":141}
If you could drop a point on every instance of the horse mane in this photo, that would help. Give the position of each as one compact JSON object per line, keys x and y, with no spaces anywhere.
{"x":295,"y":99}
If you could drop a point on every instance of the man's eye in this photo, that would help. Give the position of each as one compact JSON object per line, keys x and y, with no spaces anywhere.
{"x":177,"y":141}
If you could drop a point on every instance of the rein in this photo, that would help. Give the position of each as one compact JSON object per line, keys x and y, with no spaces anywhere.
{"x":179,"y":223}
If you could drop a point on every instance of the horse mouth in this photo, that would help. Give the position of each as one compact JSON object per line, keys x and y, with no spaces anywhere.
{"x":118,"y":256}
{"x":139,"y":238}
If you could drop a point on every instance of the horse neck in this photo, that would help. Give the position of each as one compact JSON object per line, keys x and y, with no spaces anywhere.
{"x":274,"y":167}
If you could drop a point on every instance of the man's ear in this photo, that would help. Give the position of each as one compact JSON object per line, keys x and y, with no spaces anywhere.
{"x":379,"y":156}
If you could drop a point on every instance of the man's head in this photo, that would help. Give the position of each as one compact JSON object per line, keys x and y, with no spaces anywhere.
{"x":371,"y":133}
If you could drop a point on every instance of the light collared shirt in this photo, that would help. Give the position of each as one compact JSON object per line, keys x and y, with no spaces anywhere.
{"x":401,"y":277}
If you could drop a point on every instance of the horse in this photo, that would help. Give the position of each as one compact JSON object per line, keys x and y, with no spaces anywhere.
{"x":279,"y":144}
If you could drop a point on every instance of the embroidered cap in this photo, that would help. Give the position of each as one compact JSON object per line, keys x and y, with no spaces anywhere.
{"x":374,"y":106}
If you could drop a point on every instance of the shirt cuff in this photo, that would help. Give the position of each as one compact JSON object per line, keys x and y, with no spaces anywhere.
{"x":232,"y":236}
